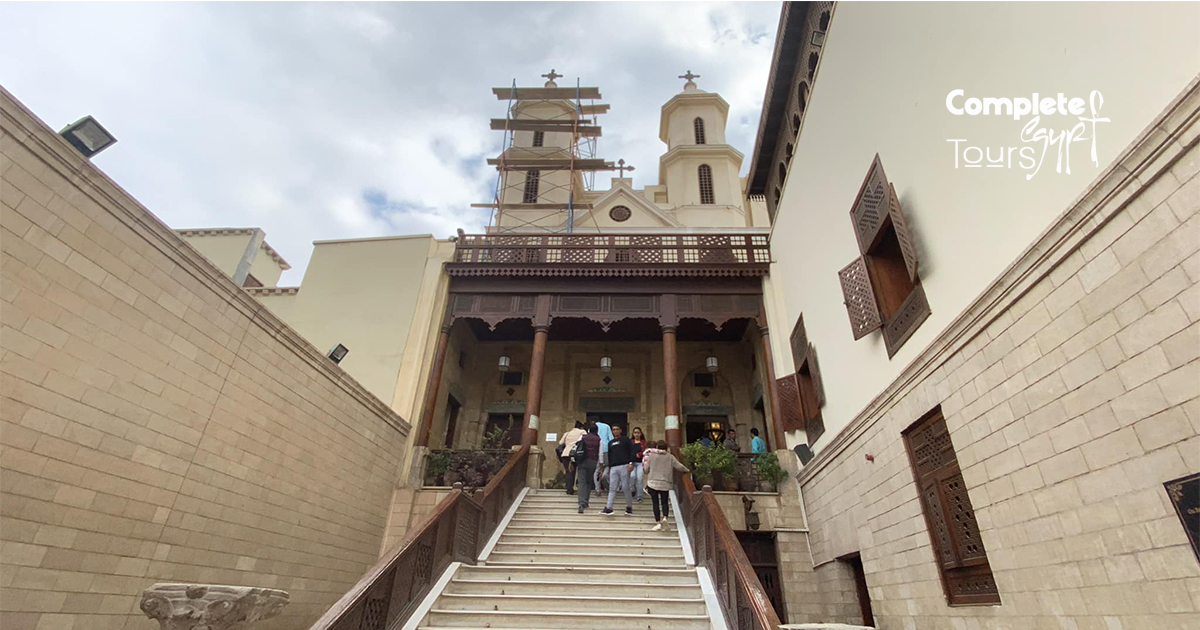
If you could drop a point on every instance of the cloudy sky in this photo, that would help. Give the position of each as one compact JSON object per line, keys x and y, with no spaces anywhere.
{"x":321,"y":121}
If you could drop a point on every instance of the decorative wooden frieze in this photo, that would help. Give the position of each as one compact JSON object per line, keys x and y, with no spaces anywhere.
{"x":204,"y":607}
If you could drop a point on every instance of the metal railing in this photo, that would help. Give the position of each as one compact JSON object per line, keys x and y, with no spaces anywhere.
{"x":455,"y":532}
{"x":637,"y":249}
{"x":741,"y":595}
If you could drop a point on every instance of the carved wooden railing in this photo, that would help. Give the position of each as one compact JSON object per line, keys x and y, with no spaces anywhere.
{"x":742,"y":597}
{"x":455,"y":532}
{"x":635,"y":249}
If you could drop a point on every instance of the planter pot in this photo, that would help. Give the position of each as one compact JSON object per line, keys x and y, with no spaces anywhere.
{"x":766,"y":486}
{"x":700,"y":482}
{"x":452,"y":478}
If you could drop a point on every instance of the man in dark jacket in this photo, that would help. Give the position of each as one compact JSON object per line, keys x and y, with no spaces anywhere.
{"x":585,"y":463}
{"x":621,"y":455}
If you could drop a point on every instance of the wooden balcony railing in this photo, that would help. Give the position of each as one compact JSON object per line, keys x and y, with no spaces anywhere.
{"x":455,"y":532}
{"x":742,"y":597}
{"x":748,"y":252}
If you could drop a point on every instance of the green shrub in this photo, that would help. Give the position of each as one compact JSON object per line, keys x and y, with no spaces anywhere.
{"x":768,"y":468}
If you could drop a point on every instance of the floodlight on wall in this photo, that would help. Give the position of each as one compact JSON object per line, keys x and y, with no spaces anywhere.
{"x":711,"y":362}
{"x":88,"y":135}
{"x":337,"y":353}
{"x":504,"y":362}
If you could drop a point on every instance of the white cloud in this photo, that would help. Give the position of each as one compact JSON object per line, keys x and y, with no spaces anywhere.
{"x":320,"y":121}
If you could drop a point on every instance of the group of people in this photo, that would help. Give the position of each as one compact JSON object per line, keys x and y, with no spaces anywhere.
{"x":596,"y":452}
{"x":730,"y":443}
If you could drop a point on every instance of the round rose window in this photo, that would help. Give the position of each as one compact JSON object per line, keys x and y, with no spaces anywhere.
{"x":619,"y":213}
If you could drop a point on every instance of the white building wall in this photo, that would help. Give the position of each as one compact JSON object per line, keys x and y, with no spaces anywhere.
{"x":885,"y":72}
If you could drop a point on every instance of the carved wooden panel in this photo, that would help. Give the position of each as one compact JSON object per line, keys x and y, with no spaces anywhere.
{"x":789,"y":403}
{"x":634,"y":303}
{"x":496,"y":303}
{"x":814,"y":428}
{"x":814,"y":369}
{"x":799,"y":341}
{"x":912,"y":313}
{"x":907,"y":247}
{"x":871,"y":205}
{"x":953,"y":529}
{"x":859,"y":298}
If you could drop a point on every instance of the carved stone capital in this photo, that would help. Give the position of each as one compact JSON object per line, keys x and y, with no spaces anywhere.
{"x":205,"y":607}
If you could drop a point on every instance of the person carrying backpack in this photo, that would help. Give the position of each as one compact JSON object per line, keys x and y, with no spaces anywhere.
{"x":586,"y":455}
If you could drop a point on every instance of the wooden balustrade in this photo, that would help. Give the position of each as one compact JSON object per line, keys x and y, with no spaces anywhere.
{"x":455,"y":532}
{"x":655,"y":249}
{"x":742,"y":597}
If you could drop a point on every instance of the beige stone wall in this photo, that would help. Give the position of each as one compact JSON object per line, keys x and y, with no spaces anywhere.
{"x":1070,"y":388}
{"x":158,"y":423}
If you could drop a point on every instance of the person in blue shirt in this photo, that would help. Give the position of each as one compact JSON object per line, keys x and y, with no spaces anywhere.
{"x":606,"y":436}
{"x":757,"y":444}
{"x":705,"y":441}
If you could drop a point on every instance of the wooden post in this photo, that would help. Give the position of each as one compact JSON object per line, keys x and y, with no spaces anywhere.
{"x":669,"y":320}
{"x":433,"y":386}
{"x":772,"y":389}
{"x":533,"y":398}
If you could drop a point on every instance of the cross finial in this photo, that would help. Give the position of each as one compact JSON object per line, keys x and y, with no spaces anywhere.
{"x":621,"y":168}
{"x":550,"y":77}
{"x":689,"y":76}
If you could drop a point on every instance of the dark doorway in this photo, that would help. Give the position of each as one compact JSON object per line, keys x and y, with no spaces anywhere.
{"x":760,"y":412}
{"x":761,"y":550}
{"x":612,"y":419}
{"x":510,"y":423}
{"x":452,"y":408}
{"x":700,"y":426}
{"x":860,"y":584}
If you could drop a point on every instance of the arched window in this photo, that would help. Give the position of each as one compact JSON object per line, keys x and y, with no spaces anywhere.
{"x":782,"y":173}
{"x":531,"y":186}
{"x":802,"y":97}
{"x":706,"y":185}
{"x":825,"y":21}
{"x":539,"y":138}
{"x":698,"y":124}
{"x":778,"y":194}
{"x":812,"y":65}
{"x":795,"y":124}
{"x":790,"y":150}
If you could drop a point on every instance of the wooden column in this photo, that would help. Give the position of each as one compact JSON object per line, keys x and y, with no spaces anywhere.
{"x":772,"y":388}
{"x":670,"y":372}
{"x":433,"y":386}
{"x":533,"y":398}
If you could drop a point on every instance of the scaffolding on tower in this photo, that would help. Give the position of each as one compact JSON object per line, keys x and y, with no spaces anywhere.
{"x":542,"y":180}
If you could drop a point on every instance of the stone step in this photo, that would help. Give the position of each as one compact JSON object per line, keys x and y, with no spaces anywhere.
{"x":587,"y":573}
{"x":595,"y":539}
{"x":438,"y":618}
{"x":594,"y":517}
{"x":617,"y":551}
{"x":475,"y":586}
{"x":584,"y":559}
{"x":596,"y":601}
{"x":627,"y":527}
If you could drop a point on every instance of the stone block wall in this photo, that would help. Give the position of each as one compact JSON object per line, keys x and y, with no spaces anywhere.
{"x":1072,"y":392}
{"x":159,"y":424}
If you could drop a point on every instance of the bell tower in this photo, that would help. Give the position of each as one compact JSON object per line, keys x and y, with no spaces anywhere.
{"x":699,"y":170}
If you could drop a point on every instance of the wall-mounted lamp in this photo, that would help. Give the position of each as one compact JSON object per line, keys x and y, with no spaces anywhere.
{"x":337,"y":353}
{"x":711,"y":362}
{"x":606,"y":364}
{"x":504,"y":362}
{"x":752,"y":521}
{"x":88,"y":136}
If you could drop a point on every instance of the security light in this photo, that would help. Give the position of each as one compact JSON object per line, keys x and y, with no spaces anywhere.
{"x":88,"y":135}
{"x":338,"y":353}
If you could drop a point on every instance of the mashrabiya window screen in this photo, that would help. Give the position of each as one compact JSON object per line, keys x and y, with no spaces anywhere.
{"x":698,"y":125}
{"x":704,"y":172}
{"x":532,"y":179}
{"x":958,"y":549}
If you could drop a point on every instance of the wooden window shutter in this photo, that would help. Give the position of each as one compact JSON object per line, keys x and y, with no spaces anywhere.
{"x":871,"y":205}
{"x":789,"y":402}
{"x":815,"y":370}
{"x":799,"y":341}
{"x":859,"y":298}
{"x":953,"y":530}
{"x":907,"y":249}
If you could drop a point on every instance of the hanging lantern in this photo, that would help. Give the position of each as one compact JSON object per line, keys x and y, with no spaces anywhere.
{"x":711,"y":362}
{"x":504,"y":363}
{"x":605,"y":364}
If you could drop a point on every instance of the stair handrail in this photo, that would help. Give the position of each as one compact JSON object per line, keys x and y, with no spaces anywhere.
{"x":741,"y":595}
{"x":455,"y":531}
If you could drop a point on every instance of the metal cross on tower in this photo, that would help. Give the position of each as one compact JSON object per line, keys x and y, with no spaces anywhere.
{"x":621,"y":168}
{"x":552,"y":75}
{"x":689,"y":76}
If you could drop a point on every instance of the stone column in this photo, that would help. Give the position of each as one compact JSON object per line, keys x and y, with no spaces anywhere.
{"x":432,"y":388}
{"x":203,"y":607}
{"x":780,"y":439}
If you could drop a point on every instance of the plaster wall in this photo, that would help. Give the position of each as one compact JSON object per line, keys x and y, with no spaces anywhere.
{"x":885,"y":71}
{"x":265,"y":269}
{"x":225,"y":251}
{"x":685,"y":108}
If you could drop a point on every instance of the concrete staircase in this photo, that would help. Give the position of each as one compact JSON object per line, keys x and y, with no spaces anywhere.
{"x":553,"y":568}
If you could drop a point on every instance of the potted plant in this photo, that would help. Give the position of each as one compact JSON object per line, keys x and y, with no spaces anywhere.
{"x":724,"y":466}
{"x":769,"y":471}
{"x":436,"y":466}
{"x":698,"y":458}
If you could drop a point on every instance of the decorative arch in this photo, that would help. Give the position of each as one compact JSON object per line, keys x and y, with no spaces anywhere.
{"x":812,"y":65}
{"x":824,"y":21}
{"x":707,"y":196}
{"x":802,"y":97}
{"x":698,"y":127}
{"x":782,"y":172}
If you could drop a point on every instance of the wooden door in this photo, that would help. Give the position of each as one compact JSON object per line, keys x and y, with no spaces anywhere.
{"x":761,"y":551}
